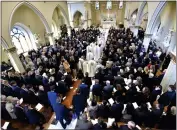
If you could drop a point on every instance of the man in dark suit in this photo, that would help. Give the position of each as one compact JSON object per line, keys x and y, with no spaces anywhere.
{"x":42,"y":96}
{"x":87,"y":80}
{"x":107,"y":90}
{"x":16,"y":89}
{"x":100,"y":125}
{"x":78,"y":103}
{"x":84,"y":90}
{"x":19,"y":112}
{"x":68,"y":80}
{"x":61,"y":87}
{"x":52,"y":96}
{"x":97,"y":90}
{"x":34,"y":117}
{"x":118,"y":79}
{"x":6,"y":88}
{"x":103,"y":110}
{"x":25,"y":94}
{"x":116,"y":110}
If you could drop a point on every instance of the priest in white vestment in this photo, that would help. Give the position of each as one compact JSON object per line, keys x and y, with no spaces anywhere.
{"x":92,"y":67}
{"x":96,"y":52}
{"x":80,"y":63}
{"x":89,"y":56}
{"x":85,"y":67}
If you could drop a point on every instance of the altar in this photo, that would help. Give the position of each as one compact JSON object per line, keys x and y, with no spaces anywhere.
{"x":108,"y":24}
{"x":108,"y":21}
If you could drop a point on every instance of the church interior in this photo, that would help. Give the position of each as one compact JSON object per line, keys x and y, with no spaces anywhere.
{"x":88,"y":65}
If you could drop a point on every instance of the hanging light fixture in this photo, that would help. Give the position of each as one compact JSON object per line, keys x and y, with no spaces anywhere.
{"x":121,"y":4}
{"x":97,"y":6}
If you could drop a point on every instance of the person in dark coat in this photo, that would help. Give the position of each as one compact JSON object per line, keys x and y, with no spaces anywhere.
{"x":100,"y":125}
{"x":78,"y":103}
{"x":34,"y":116}
{"x":119,"y":79}
{"x":16,"y":89}
{"x":68,"y":80}
{"x":142,"y":115}
{"x":62,"y":113}
{"x":80,"y":75}
{"x":116,"y":109}
{"x":103,"y":110}
{"x":25,"y":94}
{"x":19,"y":112}
{"x":87,"y":80}
{"x":168,"y":121}
{"x":166,"y":97}
{"x":84,"y":89}
{"x":107,"y":90}
{"x":6,"y":88}
{"x":97,"y":90}
{"x":61,"y":88}
{"x":42,"y":96}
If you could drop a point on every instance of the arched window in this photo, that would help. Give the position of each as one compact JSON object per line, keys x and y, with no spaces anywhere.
{"x":21,"y":40}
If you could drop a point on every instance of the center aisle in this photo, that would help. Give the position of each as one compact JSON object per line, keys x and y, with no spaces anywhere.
{"x":67,"y":101}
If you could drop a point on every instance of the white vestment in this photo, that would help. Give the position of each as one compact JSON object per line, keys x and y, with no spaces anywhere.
{"x":88,"y":48}
{"x":97,"y":52}
{"x":80,"y":64}
{"x":89,"y":56}
{"x":85,"y":67}
{"x":92,"y":67}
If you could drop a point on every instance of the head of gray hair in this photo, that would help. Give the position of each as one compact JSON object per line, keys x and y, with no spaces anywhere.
{"x":107,"y":82}
{"x":131,"y":124}
{"x":173,"y":110}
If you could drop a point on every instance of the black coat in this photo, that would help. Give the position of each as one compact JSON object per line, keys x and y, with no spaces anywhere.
{"x":43,"y":98}
{"x":88,"y":81}
{"x":61,"y":87}
{"x":19,"y":112}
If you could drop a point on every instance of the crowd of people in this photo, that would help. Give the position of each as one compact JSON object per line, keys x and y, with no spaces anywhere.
{"x":125,"y":74}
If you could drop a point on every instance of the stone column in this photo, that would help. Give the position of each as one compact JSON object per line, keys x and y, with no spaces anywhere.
{"x":170,"y":75}
{"x":50,"y":37}
{"x":146,"y":41}
{"x":70,"y":15}
{"x":134,"y":29}
{"x":14,"y":59}
{"x":89,"y":14}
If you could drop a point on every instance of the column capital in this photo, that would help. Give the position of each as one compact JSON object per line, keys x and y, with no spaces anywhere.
{"x":11,"y":49}
{"x":49,"y":33}
{"x":147,"y":35}
{"x":134,"y":26}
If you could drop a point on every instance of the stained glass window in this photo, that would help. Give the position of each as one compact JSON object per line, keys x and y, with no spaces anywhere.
{"x":109,"y":4}
{"x":97,"y":6}
{"x":21,"y":40}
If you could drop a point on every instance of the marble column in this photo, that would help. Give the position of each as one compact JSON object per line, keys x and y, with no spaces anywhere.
{"x":70,"y":15}
{"x":134,"y":29}
{"x":14,"y":59}
{"x":50,"y":37}
{"x":170,"y":75}
{"x":146,"y":41}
